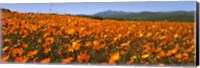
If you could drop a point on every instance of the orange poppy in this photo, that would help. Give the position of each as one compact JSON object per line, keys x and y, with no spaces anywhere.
{"x":24,"y":46}
{"x":114,"y":57}
{"x":32,"y":53}
{"x":83,"y":57}
{"x":88,"y":44}
{"x":67,"y":60}
{"x":75,"y":46}
{"x":161,"y":55}
{"x":176,"y":35}
{"x":16,"y":51}
{"x":97,"y":45}
{"x":145,"y":56}
{"x":39,"y":40}
{"x":5,"y":58}
{"x":178,"y":56}
{"x":71,"y":31}
{"x":24,"y":33}
{"x":46,"y":60}
{"x":130,"y":62}
{"x":22,"y":59}
{"x":50,"y":40}
{"x":148,"y":34}
{"x":46,"y":50}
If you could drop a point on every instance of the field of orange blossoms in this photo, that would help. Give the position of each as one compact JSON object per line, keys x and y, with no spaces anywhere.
{"x":68,"y":39}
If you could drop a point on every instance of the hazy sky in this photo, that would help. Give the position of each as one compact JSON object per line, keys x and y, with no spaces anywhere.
{"x":91,"y":8}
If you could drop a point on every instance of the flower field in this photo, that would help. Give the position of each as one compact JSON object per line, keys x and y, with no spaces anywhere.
{"x":68,"y":39}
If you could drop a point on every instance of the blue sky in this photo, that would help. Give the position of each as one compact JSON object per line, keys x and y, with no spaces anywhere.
{"x":92,"y":7}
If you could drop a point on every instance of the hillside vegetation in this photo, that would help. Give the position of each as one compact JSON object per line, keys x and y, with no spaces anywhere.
{"x":176,"y":16}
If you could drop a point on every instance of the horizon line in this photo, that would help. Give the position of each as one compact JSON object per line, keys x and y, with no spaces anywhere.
{"x":50,"y":12}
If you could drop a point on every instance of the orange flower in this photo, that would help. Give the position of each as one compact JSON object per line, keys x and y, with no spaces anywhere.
{"x":178,"y":56}
{"x":132,"y":59}
{"x":65,"y":37}
{"x":22,"y":59}
{"x":125,"y":45}
{"x":32,"y":53}
{"x":130,"y":62}
{"x":75,"y":46}
{"x":39,"y":40}
{"x":7,"y":40}
{"x":16,"y":51}
{"x":169,"y":53}
{"x":140,"y":34}
{"x":70,"y":49}
{"x":161,"y":55}
{"x":71,"y":31}
{"x":83,"y":57}
{"x":147,"y":45}
{"x":5,"y":58}
{"x":145,"y":56}
{"x":114,"y":57}
{"x":46,"y":60}
{"x":185,"y":54}
{"x":88,"y":44}
{"x":186,"y":59}
{"x":45,"y":35}
{"x":174,"y":50}
{"x":46,"y":44}
{"x":176,"y":35}
{"x":162,"y":37}
{"x":67,"y":60}
{"x":148,"y":34}
{"x":24,"y":33}
{"x":96,"y":45}
{"x":96,"y":42}
{"x":24,"y":46}
{"x":164,"y":42}
{"x":46,"y":50}
{"x":50,"y":40}
{"x":3,"y":32}
{"x":158,"y":49}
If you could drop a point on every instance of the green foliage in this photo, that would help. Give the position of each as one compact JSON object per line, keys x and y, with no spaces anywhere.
{"x":180,"y":16}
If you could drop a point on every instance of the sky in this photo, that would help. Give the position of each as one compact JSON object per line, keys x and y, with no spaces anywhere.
{"x":89,"y":8}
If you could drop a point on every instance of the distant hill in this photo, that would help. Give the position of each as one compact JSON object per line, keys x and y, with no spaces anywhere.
{"x":109,"y":13}
{"x":181,"y":16}
{"x":5,"y":10}
{"x":187,"y":16}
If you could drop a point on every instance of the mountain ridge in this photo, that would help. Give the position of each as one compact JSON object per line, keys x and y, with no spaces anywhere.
{"x":148,"y":15}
